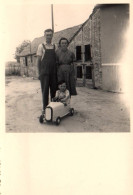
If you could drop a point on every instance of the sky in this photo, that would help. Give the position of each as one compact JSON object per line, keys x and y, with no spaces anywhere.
{"x":26,"y":22}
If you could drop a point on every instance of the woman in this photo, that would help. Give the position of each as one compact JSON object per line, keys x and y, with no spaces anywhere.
{"x":65,"y":59}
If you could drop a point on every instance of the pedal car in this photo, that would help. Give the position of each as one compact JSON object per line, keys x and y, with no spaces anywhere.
{"x":55,"y":111}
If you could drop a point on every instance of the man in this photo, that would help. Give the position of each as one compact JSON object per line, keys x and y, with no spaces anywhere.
{"x":46,"y":62}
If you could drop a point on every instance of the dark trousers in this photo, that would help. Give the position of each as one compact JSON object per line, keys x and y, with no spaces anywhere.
{"x":48,"y":81}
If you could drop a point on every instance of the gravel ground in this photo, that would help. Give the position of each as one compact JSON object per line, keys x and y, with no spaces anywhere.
{"x":95,"y":110}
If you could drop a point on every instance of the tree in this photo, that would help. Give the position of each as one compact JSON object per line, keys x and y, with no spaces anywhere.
{"x":20,"y":48}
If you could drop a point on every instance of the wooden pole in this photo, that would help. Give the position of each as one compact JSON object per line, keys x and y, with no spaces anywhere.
{"x":52,"y":16}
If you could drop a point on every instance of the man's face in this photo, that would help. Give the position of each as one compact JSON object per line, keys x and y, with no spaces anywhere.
{"x":48,"y":36}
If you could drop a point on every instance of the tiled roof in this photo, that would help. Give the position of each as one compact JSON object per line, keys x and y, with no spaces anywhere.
{"x":67,"y":33}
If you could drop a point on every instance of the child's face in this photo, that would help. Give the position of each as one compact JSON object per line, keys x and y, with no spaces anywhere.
{"x":62,"y":87}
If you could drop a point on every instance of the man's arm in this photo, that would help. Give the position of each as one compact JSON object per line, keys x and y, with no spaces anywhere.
{"x":39,"y":57}
{"x":39,"y":64}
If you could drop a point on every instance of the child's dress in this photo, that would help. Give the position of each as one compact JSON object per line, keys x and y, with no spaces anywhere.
{"x":61,"y":95}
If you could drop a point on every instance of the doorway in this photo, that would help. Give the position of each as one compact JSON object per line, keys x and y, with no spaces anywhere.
{"x":84,"y":75}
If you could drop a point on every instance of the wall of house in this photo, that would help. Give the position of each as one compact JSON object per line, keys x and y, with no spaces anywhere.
{"x":114,"y":23}
{"x":23,"y":68}
{"x":81,"y":39}
{"x":96,"y":48}
{"x":87,"y":32}
{"x":77,"y":41}
{"x":35,"y":68}
{"x":31,"y":68}
{"x":111,"y":78}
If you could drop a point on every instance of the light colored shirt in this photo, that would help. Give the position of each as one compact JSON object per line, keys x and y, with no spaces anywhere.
{"x":41,"y":50}
{"x":62,"y":95}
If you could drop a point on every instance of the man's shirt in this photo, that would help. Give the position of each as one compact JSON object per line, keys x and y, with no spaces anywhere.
{"x":41,"y":50}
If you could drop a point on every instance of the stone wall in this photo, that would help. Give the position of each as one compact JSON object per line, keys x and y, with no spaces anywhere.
{"x":72,"y":46}
{"x":82,"y":38}
{"x":77,"y":41}
{"x":31,"y":68}
{"x":87,"y":32}
{"x":96,"y":49}
{"x":23,"y":68}
{"x":34,"y":61}
{"x":112,"y":78}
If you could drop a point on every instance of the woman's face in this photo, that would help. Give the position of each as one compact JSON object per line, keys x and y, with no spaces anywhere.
{"x":64,"y":44}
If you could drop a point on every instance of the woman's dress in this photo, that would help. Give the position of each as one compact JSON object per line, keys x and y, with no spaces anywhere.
{"x":66,"y":71}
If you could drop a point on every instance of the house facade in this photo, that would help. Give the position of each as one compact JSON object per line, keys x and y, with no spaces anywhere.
{"x":28,"y":55}
{"x":81,"y":46}
{"x":98,"y":45}
{"x":109,"y":23}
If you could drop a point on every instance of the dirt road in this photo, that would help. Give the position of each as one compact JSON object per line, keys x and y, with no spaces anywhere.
{"x":95,"y":110}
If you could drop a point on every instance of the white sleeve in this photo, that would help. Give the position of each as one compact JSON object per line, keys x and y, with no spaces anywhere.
{"x":57,"y":94}
{"x":56,"y":47}
{"x":40,"y":50}
{"x":67,"y":94}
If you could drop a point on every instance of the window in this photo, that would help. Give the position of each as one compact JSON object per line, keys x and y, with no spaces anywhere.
{"x":79,"y":71}
{"x":78,"y":52}
{"x":88,"y":72}
{"x":87,"y":53}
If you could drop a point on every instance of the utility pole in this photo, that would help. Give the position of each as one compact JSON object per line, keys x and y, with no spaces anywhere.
{"x":52,"y":16}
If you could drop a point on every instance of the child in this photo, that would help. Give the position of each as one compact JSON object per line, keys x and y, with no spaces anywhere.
{"x":62,"y":95}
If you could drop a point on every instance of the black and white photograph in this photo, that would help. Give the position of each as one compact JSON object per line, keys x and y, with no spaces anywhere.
{"x":67,"y":68}
{"x":66,"y":97}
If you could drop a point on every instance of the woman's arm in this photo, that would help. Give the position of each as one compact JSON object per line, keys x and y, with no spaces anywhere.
{"x":73,"y":67}
{"x":57,"y":59}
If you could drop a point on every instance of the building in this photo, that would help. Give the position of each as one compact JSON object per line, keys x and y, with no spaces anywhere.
{"x":81,"y":46}
{"x":98,"y":45}
{"x":28,"y":55}
{"x":109,"y":23}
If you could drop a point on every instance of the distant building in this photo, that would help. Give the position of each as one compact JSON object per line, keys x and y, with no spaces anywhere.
{"x":98,"y":45}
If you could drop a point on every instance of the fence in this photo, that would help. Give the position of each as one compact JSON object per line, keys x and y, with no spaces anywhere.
{"x":12,"y":69}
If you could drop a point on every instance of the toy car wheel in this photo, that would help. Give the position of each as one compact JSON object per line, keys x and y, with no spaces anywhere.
{"x":72,"y":112}
{"x":58,"y":120}
{"x":41,"y":119}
